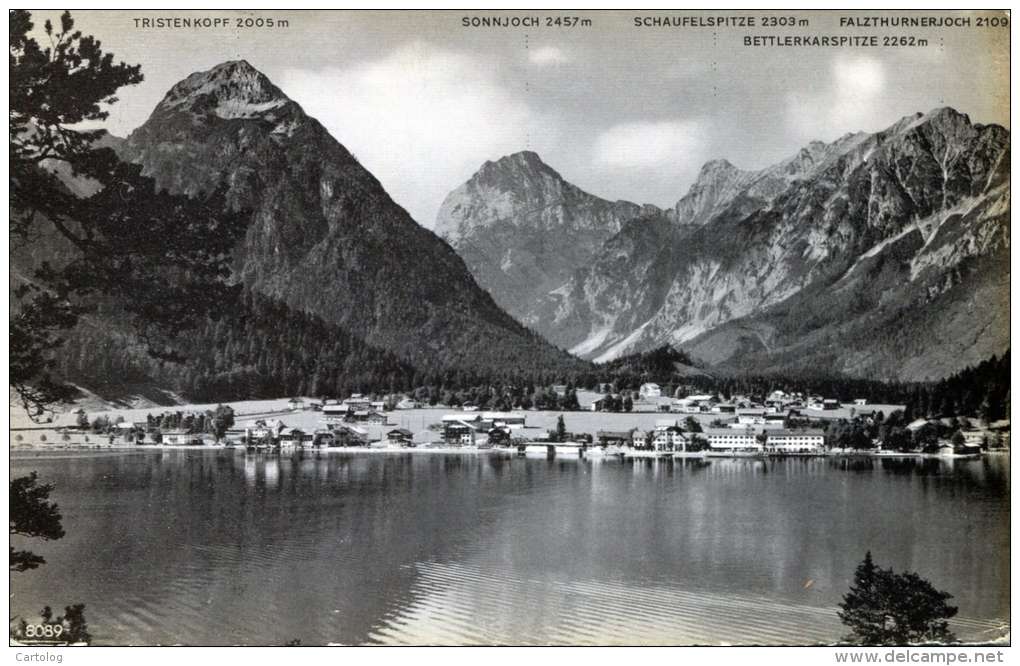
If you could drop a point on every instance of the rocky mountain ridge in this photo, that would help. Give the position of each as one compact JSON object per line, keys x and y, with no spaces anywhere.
{"x":855,"y":236}
{"x":324,"y":238}
{"x":523,"y":230}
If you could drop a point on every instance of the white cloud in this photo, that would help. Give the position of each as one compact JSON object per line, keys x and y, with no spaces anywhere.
{"x":854,"y":99}
{"x":859,"y":76}
{"x":646,"y":145}
{"x":422,"y":119}
{"x":547,"y":55}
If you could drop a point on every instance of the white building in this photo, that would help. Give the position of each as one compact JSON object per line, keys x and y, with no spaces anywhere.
{"x":508,"y":419}
{"x":669,"y":436}
{"x":729,"y":439}
{"x":335,"y":413}
{"x":459,"y":434}
{"x":694,"y":404}
{"x":751,"y":417}
{"x":179,"y":437}
{"x":974,"y":437}
{"x":794,"y":441}
{"x":291,"y":437}
{"x":649,"y":391}
{"x":356,"y":402}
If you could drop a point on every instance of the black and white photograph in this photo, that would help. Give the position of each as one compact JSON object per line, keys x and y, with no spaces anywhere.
{"x":473,"y":327}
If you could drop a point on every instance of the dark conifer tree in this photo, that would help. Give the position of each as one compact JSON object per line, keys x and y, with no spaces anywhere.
{"x":886,"y":608}
{"x":164,"y":258}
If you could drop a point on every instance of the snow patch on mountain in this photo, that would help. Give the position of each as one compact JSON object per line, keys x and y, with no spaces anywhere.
{"x":594,"y":341}
{"x":230,"y":90}
{"x":741,"y":244}
{"x":234,"y":108}
{"x":623,"y":346}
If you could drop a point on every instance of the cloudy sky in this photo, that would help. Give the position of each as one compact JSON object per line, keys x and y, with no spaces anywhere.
{"x":624,"y":112}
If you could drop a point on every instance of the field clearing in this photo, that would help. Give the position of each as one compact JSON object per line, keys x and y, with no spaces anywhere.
{"x":249,"y":411}
{"x":536,"y":421}
{"x":19,"y":418}
{"x":415,"y":420}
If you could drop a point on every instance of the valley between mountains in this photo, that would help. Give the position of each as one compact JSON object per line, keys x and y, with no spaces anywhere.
{"x":878,"y":256}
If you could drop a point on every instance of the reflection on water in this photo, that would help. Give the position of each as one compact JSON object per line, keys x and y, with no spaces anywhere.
{"x":210,"y":547}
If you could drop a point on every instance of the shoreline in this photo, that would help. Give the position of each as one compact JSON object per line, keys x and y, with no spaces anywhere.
{"x":244,"y":450}
{"x":449,"y":450}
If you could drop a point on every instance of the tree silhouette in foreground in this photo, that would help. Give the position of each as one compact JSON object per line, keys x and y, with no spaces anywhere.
{"x":100,"y":232}
{"x":32,"y":515}
{"x":887,"y":608}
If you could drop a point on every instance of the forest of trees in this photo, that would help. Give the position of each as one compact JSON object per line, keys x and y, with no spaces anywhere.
{"x":670,"y":368}
{"x":500,"y":397}
{"x":215,"y":422}
{"x":266,"y":350}
{"x":663,"y":364}
{"x":981,"y":391}
{"x":263,"y":350}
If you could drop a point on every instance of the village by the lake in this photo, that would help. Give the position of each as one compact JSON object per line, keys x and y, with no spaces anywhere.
{"x":667,"y":488}
{"x":510,"y":328}
{"x":654,"y":421}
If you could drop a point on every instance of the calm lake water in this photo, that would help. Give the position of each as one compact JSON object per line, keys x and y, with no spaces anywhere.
{"x":212,"y":547}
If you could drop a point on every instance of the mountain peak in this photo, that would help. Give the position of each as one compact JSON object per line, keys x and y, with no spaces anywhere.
{"x":719,"y":171}
{"x":527,"y":159}
{"x":522,"y":229}
{"x":944,"y":117}
{"x":715,"y":185}
{"x":230,"y":66}
{"x":317,"y":217}
{"x":713,"y":167}
{"x":233,"y":89}
{"x":523,"y":156}
{"x":521,"y":167}
{"x":946,"y":112}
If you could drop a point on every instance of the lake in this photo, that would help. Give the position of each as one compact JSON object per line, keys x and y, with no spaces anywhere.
{"x":213,"y":547}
